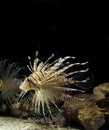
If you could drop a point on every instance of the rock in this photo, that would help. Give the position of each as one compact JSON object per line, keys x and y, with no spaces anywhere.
{"x":71,"y":108}
{"x":102,"y":91}
{"x":3,"y":108}
{"x":14,"y":109}
{"x":91,"y":118}
{"x":90,"y":110}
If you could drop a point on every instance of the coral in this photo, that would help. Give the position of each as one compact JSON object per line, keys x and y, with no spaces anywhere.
{"x":9,"y":82}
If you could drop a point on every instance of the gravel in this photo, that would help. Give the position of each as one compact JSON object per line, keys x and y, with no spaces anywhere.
{"x":12,"y":123}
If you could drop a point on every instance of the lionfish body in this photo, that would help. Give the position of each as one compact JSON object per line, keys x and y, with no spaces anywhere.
{"x":49,"y":80}
{"x":9,"y":83}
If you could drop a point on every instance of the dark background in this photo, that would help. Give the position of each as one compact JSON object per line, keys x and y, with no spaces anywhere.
{"x":80,"y":29}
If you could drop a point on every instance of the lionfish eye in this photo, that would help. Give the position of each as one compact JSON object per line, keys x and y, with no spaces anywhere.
{"x":28,"y":80}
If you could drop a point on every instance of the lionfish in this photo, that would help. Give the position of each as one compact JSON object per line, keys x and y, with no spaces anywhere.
{"x":9,"y":82}
{"x":49,"y":80}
